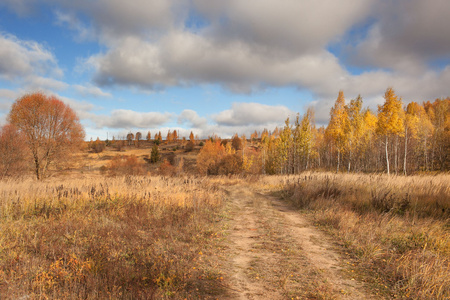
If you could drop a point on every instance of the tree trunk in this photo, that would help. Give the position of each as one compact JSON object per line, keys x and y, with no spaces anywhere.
{"x":338,"y":161}
{"x":425,"y":152}
{"x":387,"y":155}
{"x":406,"y":151}
{"x":396,"y":154}
{"x":349,"y":161}
{"x":38,"y":167}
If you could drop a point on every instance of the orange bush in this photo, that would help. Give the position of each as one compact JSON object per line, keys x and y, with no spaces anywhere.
{"x":125,"y":165}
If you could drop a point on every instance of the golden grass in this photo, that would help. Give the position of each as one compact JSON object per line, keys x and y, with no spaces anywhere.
{"x":396,"y":227}
{"x":123,"y":237}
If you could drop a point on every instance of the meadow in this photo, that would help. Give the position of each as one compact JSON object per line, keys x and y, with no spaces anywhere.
{"x":84,"y":234}
{"x":118,"y":238}
{"x":396,"y":228}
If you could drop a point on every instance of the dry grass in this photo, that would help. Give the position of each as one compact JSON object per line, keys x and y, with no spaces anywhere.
{"x":397,"y":228}
{"x":123,"y":237}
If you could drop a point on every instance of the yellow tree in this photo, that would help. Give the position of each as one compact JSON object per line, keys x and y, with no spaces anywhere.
{"x":439,"y":114}
{"x":355,"y":130}
{"x":285,"y":147}
{"x":368,"y":134}
{"x":303,"y":138}
{"x":411,"y":128}
{"x":424,"y":132}
{"x":338,"y":128}
{"x":390,"y":120}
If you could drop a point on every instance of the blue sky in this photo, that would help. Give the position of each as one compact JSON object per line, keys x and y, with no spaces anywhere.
{"x":219,"y":66}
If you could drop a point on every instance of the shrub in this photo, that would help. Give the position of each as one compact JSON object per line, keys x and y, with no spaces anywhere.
{"x":189,"y":146}
{"x":167,"y":169}
{"x":97,"y":146}
{"x":125,"y":165}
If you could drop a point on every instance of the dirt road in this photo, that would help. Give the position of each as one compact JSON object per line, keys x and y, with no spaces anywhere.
{"x":276,"y":253}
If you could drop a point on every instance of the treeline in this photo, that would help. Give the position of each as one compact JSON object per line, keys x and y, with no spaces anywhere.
{"x":397,"y":138}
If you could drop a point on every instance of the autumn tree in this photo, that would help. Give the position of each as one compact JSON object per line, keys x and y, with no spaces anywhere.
{"x":149,"y":136}
{"x":138,"y":138}
{"x":338,"y":128}
{"x":12,"y":151}
{"x":210,"y":155}
{"x":368,"y":139}
{"x":439,"y":114}
{"x":130,"y":137}
{"x":303,"y":140}
{"x":51,"y":129}
{"x":236,"y":142}
{"x":390,"y":120}
{"x":175,"y":136}
{"x":191,"y":137}
{"x":169,"y":137}
{"x":355,"y":118}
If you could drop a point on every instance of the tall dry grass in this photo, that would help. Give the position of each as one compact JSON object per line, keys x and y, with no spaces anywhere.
{"x":123,"y":237}
{"x":397,"y":228}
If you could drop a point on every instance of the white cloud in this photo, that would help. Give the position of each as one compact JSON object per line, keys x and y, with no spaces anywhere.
{"x":7,"y":97}
{"x":72,"y":22}
{"x":128,"y":119}
{"x":90,"y":90}
{"x":252,"y":114}
{"x":24,"y":58}
{"x":192,"y":119}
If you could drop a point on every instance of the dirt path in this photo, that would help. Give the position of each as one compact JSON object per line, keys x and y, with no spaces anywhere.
{"x":276,"y":253}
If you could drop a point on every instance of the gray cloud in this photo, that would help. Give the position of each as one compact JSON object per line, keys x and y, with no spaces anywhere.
{"x":406,"y":36}
{"x":295,"y":26}
{"x":245,"y":46}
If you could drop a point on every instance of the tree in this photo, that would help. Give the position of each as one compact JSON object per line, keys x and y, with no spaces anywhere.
{"x":138,"y":138}
{"x":130,"y":138}
{"x":236,"y":142}
{"x":149,"y":136}
{"x":12,"y":151}
{"x":355,"y":117}
{"x":338,"y":129}
{"x":154,"y":155}
{"x":51,"y":129}
{"x":390,"y":119}
{"x":191,"y":137}
{"x":210,"y":155}
{"x":169,"y":137}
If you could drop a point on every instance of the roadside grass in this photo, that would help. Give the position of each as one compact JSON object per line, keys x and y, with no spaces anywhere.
{"x":396,"y":228}
{"x":122,"y":237}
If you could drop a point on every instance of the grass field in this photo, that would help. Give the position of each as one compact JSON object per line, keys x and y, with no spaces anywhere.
{"x":123,"y":237}
{"x":81,"y":234}
{"x":396,"y":228}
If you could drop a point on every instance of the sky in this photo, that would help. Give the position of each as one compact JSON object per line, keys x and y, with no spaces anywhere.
{"x":219,"y":66}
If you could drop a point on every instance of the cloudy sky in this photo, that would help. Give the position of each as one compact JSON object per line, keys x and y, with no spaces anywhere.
{"x":219,"y":66}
